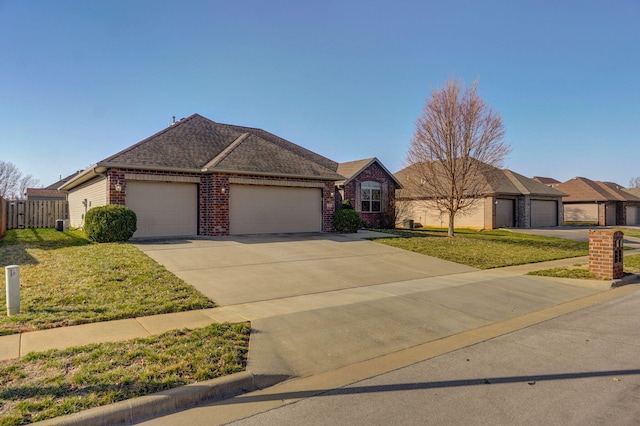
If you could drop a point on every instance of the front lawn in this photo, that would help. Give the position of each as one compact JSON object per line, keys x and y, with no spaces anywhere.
{"x":68,"y":280}
{"x":44,"y":385}
{"x":485,"y":249}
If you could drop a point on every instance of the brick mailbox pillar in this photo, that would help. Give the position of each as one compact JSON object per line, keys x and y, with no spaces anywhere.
{"x":605,"y":253}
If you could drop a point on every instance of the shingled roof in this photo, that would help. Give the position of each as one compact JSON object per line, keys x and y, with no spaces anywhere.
{"x":351,"y":169}
{"x":495,"y":182}
{"x":581,"y":189}
{"x":198,"y":144}
{"x":633,"y":191}
{"x":546,"y":180}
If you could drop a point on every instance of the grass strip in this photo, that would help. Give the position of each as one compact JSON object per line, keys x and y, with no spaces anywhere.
{"x":49,"y":384}
{"x":630,"y":232}
{"x":485,"y":249}
{"x":631,"y":266}
{"x":67,"y":280}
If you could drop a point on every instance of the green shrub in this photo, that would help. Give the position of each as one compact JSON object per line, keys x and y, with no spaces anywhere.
{"x":347,"y":220}
{"x":346,"y":204}
{"x":111,"y":223}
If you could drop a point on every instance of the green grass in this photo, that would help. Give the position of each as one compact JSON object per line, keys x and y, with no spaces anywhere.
{"x":630,"y":232}
{"x":631,"y":266}
{"x":67,"y":280}
{"x":565,"y":272}
{"x":485,"y":249}
{"x":58,"y":382}
{"x":632,"y":263}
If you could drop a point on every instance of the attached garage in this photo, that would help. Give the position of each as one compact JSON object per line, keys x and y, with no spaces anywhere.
{"x":633,"y":215}
{"x":257,"y":209}
{"x":581,"y":212}
{"x":544,"y":213}
{"x":164,"y":209}
{"x":505,"y":213}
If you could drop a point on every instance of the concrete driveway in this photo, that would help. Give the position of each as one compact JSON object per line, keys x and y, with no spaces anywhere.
{"x":322,"y":301}
{"x":250,"y":268}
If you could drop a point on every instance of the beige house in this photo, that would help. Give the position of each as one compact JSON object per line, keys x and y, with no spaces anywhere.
{"x":601,"y":203}
{"x":510,"y":200}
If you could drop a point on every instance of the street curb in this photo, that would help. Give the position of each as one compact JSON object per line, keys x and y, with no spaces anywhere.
{"x":629,"y":279}
{"x":158,"y":404}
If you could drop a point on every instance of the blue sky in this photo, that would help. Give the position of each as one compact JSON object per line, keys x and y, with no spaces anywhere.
{"x":81,"y":80}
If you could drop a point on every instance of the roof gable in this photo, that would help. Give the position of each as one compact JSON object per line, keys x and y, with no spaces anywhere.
{"x":198,"y":144}
{"x":352,"y":169}
{"x":495,"y":182}
{"x":584,"y":189}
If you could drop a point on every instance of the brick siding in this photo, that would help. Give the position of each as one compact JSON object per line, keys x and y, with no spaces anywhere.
{"x":385,"y":218}
{"x":213,"y":196}
{"x":606,"y":254}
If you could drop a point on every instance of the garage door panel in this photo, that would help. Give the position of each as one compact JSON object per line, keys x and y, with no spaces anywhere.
{"x":272,"y":209}
{"x":581,"y":212}
{"x":505,"y":213}
{"x":164,"y":209}
{"x":633,"y":215}
{"x":544,"y":213}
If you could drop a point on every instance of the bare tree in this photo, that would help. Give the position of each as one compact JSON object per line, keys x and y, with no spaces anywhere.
{"x":634,"y":182}
{"x":458,"y":142}
{"x":13,"y":183}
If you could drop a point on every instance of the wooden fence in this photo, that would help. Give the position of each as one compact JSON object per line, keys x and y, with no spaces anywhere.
{"x":35,"y":214}
{"x":3,"y":216}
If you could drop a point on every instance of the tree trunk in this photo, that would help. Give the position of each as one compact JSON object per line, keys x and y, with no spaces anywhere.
{"x":451,"y":224}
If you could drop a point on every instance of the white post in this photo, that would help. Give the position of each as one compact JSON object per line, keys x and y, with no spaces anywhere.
{"x":12,"y":275}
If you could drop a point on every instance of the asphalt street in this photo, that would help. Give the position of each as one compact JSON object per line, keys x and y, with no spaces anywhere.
{"x":578,"y":369}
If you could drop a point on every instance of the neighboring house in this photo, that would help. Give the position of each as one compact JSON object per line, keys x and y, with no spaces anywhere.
{"x":42,"y":194}
{"x":370,"y":188}
{"x":62,"y":181}
{"x":546,"y":181}
{"x":199,"y":177}
{"x":509,"y":200}
{"x":602,"y":203}
{"x":633,"y":191}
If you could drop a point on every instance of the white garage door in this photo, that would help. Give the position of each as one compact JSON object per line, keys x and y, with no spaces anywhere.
{"x":164,"y":209}
{"x":633,"y":215}
{"x":505,"y":213}
{"x":581,"y":212}
{"x":544,"y":213}
{"x":273,"y":209}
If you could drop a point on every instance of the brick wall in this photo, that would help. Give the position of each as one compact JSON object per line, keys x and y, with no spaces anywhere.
{"x":373,"y":173}
{"x":606,"y":257}
{"x":328,"y":206}
{"x":116,"y":177}
{"x":213,"y":196}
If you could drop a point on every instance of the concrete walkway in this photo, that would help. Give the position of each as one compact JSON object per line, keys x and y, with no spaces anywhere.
{"x":444,"y":304}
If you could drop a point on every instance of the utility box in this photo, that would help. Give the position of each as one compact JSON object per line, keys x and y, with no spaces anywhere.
{"x":12,"y":282}
{"x":407,"y":224}
{"x":606,"y":257}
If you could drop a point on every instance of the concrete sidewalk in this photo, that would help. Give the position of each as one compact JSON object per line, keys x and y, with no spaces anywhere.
{"x":463,"y":289}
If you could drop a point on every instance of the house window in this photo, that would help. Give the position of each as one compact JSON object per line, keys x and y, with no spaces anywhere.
{"x":370,"y":196}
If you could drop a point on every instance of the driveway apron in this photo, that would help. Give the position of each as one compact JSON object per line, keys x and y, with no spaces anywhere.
{"x":322,"y":301}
